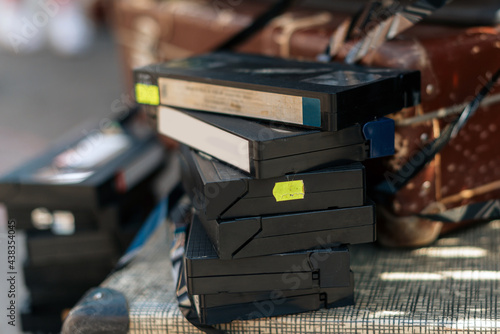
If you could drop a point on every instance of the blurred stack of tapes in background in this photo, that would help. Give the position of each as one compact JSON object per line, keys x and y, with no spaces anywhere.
{"x":77,"y":207}
{"x":271,"y":153}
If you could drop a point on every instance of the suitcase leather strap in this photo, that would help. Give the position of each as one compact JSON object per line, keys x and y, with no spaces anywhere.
{"x":395,"y":181}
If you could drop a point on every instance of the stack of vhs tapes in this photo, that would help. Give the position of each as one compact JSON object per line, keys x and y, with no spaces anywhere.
{"x":77,"y":206}
{"x":271,"y":162}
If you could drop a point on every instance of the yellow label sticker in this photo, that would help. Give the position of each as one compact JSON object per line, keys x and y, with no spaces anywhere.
{"x":289,"y":191}
{"x":147,"y":94}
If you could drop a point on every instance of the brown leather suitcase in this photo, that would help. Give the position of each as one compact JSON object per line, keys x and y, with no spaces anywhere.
{"x":460,"y":185}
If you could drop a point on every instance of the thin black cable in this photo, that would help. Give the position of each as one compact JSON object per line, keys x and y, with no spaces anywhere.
{"x":472,"y":107}
{"x":260,"y":22}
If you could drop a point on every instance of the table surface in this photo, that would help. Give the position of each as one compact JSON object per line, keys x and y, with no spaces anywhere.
{"x":449,"y":287}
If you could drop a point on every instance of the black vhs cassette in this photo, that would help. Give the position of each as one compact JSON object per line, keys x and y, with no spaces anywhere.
{"x":89,"y":171}
{"x":326,"y":96}
{"x":64,"y":276}
{"x":44,"y":248}
{"x":226,"y":307}
{"x":42,"y":320}
{"x":207,"y":274}
{"x":219,"y":191}
{"x":268,"y":150}
{"x":265,"y":235}
{"x":63,"y":284}
{"x":121,"y":216}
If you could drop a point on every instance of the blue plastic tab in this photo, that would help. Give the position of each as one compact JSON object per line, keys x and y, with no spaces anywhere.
{"x":311,"y":111}
{"x":380,"y":133}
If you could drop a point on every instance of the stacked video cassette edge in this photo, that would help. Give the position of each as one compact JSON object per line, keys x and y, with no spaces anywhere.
{"x":271,"y":154}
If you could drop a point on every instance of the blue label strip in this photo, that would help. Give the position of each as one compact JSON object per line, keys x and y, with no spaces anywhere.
{"x":311,"y":111}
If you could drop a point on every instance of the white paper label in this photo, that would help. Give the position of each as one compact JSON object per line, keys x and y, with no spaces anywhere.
{"x":229,"y":100}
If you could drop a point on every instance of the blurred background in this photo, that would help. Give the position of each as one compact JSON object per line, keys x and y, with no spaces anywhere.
{"x":59,"y":68}
{"x":60,"y":74}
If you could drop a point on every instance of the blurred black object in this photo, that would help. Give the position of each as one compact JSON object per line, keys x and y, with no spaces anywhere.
{"x":78,"y":206}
